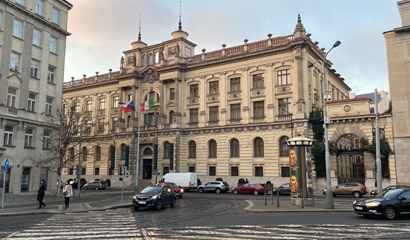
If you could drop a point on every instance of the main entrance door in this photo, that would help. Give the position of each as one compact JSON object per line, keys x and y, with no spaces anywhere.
{"x":147,"y":169}
{"x":350,"y":163}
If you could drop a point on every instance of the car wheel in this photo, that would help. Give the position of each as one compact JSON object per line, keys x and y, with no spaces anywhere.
{"x":174,"y":202}
{"x":201,"y":190}
{"x":218,"y":190}
{"x":159,"y":205}
{"x":136,"y":208}
{"x":357,"y":194}
{"x":235,"y":191}
{"x":255,"y":192}
{"x":389,"y":213}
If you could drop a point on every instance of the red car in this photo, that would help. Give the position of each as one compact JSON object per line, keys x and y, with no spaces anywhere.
{"x":249,"y":188}
{"x":179,"y":192}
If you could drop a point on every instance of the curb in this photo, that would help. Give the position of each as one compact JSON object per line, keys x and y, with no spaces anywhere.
{"x":301,"y":210}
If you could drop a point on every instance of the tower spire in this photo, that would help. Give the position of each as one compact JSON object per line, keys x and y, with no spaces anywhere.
{"x":180,"y":23}
{"x":139,"y":31}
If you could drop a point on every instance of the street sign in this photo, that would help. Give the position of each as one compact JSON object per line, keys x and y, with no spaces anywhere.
{"x":156,"y":172}
{"x":6,"y":165}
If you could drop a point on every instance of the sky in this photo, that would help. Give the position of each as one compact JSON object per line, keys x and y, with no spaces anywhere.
{"x":102,"y":29}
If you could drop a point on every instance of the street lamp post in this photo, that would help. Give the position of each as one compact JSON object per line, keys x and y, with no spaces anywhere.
{"x":329,"y":192}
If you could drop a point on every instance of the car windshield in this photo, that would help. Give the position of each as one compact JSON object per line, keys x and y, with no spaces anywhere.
{"x":389,"y":193}
{"x":151,"y":190}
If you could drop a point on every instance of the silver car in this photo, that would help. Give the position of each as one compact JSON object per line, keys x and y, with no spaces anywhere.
{"x":214,"y":186}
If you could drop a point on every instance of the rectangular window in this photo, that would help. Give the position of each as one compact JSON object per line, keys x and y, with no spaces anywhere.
{"x":284,"y":171}
{"x":130,"y":97}
{"x":21,"y":2}
{"x":285,"y":107}
{"x":259,"y":109}
{"x":51,"y":74}
{"x":77,"y":107}
{"x":36,"y":38}
{"x":70,"y":171}
{"x":39,"y":7}
{"x":28,"y":139}
{"x":83,"y":171}
{"x":193,"y":115}
{"x":89,"y":106}
{"x":258,"y":171}
{"x":49,"y":106}
{"x":234,"y":171}
{"x":100,"y":125}
{"x":258,"y":81}
{"x":31,"y":106}
{"x":235,"y":84}
{"x":114,"y":123}
{"x":165,"y":170}
{"x":172,"y":94}
{"x":284,"y":77}
{"x":18,"y":28}
{"x":1,"y":19}
{"x":65,"y":109}
{"x":46,"y":139}
{"x":115,"y":101}
{"x":8,"y":136}
{"x":53,"y":45}
{"x":101,"y":104}
{"x":14,"y":62}
{"x":235,"y":111}
{"x":213,"y":114}
{"x":213,"y":88}
{"x":11,"y":97}
{"x":212,"y":171}
{"x":191,"y":169}
{"x":96,"y":171}
{"x":193,"y":90}
{"x":34,"y":68}
{"x":87,"y":129}
{"x":54,"y":16}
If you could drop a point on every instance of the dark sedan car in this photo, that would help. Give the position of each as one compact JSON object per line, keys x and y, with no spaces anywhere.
{"x":284,"y":189}
{"x":374,"y":192}
{"x":389,"y":204}
{"x":249,"y":188}
{"x":154,"y":197}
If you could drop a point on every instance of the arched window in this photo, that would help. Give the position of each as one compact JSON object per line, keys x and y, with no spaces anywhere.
{"x":212,"y":149}
{"x":97,"y":153}
{"x":258,"y":147}
{"x":157,"y":57}
{"x":192,"y":149}
{"x":234,"y":147}
{"x":171,"y":117}
{"x":84,"y":154}
{"x":167,"y":149}
{"x":147,"y":151}
{"x":152,"y":95}
{"x":129,"y":121}
{"x":283,"y":147}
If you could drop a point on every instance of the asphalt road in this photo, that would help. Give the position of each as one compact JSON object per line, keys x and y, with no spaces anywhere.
{"x":196,"y":213}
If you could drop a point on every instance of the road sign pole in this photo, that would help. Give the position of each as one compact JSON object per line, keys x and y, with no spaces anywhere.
{"x":4,"y":186}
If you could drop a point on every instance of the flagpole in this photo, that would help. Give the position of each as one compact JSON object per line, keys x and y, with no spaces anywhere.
{"x":138,"y":152}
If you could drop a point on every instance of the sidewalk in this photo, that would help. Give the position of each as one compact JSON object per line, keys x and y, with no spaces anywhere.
{"x":26,"y":204}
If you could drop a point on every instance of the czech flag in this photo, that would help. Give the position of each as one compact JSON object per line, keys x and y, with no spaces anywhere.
{"x":128,"y":106}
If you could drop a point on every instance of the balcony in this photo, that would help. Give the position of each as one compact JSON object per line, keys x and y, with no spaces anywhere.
{"x":283,"y":118}
{"x":100,"y":112}
{"x":258,"y":119}
{"x":213,"y":123}
{"x":235,"y":121}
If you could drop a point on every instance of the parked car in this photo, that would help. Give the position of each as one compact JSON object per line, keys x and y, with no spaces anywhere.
{"x":179,"y":192}
{"x":154,"y":197}
{"x":214,"y":186}
{"x":249,"y":188}
{"x":96,"y":185}
{"x":354,"y":189}
{"x":374,"y":192}
{"x":187,"y":180}
{"x":284,"y":189}
{"x":390,"y":204}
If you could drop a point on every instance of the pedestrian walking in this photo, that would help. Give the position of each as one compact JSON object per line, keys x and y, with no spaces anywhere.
{"x":41,"y":193}
{"x":67,"y":193}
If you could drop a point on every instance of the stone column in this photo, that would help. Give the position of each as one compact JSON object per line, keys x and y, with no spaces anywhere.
{"x":121,"y":100}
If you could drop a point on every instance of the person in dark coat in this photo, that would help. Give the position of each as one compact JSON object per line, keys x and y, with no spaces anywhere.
{"x":40,"y":193}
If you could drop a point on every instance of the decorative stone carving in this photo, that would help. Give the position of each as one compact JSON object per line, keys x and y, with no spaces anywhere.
{"x":347,"y":108}
{"x":193,"y":101}
{"x":257,"y":92}
{"x":150,"y":76}
{"x":282,"y":89}
{"x":234,"y":95}
{"x":214,"y":98}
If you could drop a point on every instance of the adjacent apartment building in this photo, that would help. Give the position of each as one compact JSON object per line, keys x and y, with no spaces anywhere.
{"x":32,"y":51}
{"x":226,"y":113}
{"x":398,"y":62}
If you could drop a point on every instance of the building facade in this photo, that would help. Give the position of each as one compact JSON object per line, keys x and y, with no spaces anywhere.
{"x":32,"y":51}
{"x":398,"y":62}
{"x":225,"y":113}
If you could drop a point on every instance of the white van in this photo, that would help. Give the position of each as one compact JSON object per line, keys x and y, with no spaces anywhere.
{"x":187,"y":180}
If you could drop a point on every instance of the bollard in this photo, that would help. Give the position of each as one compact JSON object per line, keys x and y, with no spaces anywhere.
{"x":266,"y":200}
{"x":277,"y":197}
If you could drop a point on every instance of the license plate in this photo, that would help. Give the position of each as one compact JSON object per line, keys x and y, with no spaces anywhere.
{"x":358,"y":208}
{"x":142,"y":202}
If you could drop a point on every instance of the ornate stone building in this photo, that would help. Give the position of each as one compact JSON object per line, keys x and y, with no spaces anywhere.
{"x":32,"y":53}
{"x":225,"y":113}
